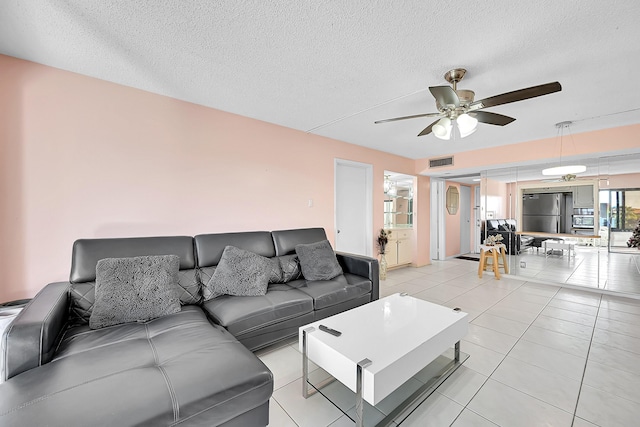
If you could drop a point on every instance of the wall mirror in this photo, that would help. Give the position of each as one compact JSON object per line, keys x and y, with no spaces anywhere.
{"x":398,"y":200}
{"x":453,"y":200}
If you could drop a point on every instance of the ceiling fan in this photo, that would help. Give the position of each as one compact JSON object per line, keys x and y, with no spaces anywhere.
{"x":457,"y":105}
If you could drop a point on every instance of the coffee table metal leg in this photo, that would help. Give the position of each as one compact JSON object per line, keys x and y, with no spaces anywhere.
{"x":305,"y":362}
{"x":359,"y":402}
{"x":456,"y":351}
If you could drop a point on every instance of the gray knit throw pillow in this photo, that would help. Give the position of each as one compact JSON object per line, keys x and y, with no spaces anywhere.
{"x":318,"y":261}
{"x":135,"y":289}
{"x":239,"y":273}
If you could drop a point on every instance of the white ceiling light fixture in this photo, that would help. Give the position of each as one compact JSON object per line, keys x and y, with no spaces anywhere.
{"x":390,"y":187}
{"x":564,"y":169}
{"x":459,"y":106}
{"x":387,"y":184}
{"x":466,"y":125}
{"x":442,"y":129}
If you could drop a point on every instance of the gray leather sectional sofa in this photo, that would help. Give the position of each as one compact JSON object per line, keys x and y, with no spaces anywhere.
{"x":191,"y":368}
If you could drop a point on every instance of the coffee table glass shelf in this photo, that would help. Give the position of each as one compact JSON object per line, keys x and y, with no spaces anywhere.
{"x":390,"y":356}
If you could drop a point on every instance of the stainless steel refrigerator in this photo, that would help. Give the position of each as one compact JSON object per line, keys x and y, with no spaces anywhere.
{"x":543,"y":213}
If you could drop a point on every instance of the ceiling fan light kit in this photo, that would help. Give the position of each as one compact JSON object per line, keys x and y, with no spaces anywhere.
{"x":442,"y":129}
{"x":458,"y":105}
{"x":466,"y":125}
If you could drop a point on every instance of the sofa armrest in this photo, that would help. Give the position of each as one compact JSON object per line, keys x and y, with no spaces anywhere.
{"x":31,"y":338}
{"x":362,"y":266}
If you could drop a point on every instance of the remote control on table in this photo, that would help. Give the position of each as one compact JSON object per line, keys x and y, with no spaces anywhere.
{"x":330,"y":331}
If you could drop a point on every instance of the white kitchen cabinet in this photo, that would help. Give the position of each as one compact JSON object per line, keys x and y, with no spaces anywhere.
{"x":391,"y":252}
{"x":583,"y":196}
{"x":404,"y":251}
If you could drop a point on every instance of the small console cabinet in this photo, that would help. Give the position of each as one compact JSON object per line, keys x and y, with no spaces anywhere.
{"x":399,"y":249}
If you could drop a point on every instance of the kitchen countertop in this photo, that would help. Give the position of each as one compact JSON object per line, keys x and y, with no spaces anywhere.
{"x":561,"y":235}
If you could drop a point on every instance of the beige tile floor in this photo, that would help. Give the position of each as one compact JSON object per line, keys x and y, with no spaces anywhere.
{"x":540,"y":355}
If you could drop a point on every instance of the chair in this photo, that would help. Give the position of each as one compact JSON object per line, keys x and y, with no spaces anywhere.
{"x":498,"y":257}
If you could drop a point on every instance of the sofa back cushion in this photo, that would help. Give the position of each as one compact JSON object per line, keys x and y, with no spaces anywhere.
{"x":87,"y":252}
{"x":492,"y":224}
{"x":285,"y":241}
{"x":209,"y":247}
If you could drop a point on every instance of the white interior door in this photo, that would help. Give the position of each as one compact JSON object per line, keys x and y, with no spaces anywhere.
{"x":437,"y":225}
{"x":353,"y":207}
{"x":476,"y":218}
{"x":465,"y":219}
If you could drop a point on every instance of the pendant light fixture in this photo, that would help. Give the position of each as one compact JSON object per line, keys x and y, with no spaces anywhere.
{"x":390,"y":187}
{"x":564,"y":169}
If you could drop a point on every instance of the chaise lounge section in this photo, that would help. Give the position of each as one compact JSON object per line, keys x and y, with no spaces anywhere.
{"x":192,"y":367}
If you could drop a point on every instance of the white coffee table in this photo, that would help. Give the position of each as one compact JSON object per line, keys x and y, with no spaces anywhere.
{"x":552,"y":244}
{"x":383,"y":345}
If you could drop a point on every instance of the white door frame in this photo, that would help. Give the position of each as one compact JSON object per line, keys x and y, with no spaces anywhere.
{"x":438,"y":227}
{"x":465,"y":213}
{"x":368,"y":221}
{"x":477,"y":220}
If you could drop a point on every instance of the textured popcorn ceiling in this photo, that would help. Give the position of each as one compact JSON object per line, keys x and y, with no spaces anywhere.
{"x":333,"y":67}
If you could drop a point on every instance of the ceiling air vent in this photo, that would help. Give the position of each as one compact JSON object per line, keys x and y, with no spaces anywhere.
{"x":436,"y":163}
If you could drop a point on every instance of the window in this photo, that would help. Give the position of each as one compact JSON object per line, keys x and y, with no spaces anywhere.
{"x":624,"y":209}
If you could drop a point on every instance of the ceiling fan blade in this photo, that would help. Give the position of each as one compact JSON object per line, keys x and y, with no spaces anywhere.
{"x":445,"y":95}
{"x":517,"y":95}
{"x":492,"y":118}
{"x":408,"y":117}
{"x":427,"y":130}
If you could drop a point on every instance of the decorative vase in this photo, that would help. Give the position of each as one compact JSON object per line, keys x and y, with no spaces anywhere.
{"x":383,"y":267}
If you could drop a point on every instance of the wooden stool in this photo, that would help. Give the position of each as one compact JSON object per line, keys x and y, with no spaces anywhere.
{"x":496,"y":254}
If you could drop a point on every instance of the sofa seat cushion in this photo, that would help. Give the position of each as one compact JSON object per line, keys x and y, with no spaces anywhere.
{"x":326,"y":293}
{"x":175,"y":369}
{"x":83,"y":295}
{"x":244,"y":314}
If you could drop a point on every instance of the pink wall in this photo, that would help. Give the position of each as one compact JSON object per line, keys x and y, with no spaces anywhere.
{"x":421,"y":228}
{"x":452,"y":225}
{"x":628,"y":180}
{"x":494,"y":197}
{"x":83,"y":158}
{"x":613,"y":139}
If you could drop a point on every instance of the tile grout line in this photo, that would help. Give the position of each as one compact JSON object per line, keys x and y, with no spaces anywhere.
{"x":505,"y":356}
{"x":586,"y":362}
{"x":285,"y":411}
{"x":600,"y":292}
{"x":511,"y":293}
